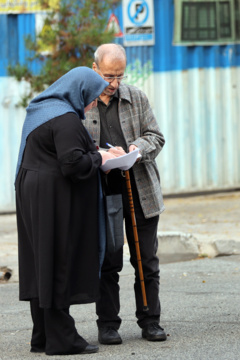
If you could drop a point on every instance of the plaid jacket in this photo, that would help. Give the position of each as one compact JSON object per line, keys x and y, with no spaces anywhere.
{"x":140,"y":128}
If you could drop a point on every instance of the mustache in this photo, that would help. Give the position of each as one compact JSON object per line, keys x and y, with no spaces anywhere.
{"x":111,"y":87}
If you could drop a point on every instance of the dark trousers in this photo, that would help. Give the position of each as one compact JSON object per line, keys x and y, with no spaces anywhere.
{"x":108,"y":305}
{"x":54,"y":331}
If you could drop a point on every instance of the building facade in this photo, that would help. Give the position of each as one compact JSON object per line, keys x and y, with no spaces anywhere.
{"x":185,"y":55}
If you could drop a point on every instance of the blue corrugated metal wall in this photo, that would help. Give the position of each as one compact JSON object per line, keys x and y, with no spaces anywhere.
{"x":167,"y":57}
{"x":195,"y":95}
{"x":194,"y":92}
{"x":13,"y":29}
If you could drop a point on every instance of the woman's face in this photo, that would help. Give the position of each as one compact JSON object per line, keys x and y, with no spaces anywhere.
{"x":90,"y":106}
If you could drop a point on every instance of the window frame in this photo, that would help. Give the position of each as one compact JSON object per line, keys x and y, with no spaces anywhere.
{"x":178,"y":24}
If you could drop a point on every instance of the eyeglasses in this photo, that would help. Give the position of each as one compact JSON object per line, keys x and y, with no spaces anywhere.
{"x":111,"y":78}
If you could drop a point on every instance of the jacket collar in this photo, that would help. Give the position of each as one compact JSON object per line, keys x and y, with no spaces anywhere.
{"x":124,"y":93}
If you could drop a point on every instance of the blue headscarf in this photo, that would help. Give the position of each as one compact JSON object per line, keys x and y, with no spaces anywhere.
{"x":70,"y":93}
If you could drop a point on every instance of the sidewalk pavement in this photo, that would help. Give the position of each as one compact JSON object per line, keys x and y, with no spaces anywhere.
{"x":200,"y":226}
{"x":200,"y":313}
{"x":189,"y":228}
{"x":199,"y":296}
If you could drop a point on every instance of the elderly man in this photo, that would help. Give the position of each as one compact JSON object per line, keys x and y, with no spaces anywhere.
{"x":124,"y":119}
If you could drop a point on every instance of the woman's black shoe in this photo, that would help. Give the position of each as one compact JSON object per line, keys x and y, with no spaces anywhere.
{"x":89,"y":349}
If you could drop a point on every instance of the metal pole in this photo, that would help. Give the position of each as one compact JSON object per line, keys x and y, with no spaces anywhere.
{"x":135,"y":233}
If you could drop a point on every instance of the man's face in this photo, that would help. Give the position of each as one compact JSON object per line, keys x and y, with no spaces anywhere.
{"x":109,"y":68}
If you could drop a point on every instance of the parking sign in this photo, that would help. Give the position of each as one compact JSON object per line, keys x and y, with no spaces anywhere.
{"x":138,"y":22}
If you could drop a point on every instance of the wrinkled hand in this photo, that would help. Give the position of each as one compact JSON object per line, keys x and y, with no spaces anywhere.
{"x":134,"y":147}
{"x":106,"y":155}
{"x":117,"y":151}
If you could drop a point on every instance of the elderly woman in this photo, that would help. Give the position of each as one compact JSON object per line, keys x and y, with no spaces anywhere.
{"x":57,"y":202}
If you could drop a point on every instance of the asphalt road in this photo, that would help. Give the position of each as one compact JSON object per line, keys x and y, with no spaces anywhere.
{"x":200,"y":313}
{"x":200,"y":298}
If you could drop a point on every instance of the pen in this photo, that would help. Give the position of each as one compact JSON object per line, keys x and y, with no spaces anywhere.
{"x":111,"y":146}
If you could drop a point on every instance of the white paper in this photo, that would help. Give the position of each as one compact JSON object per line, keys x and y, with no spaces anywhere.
{"x":123,"y":162}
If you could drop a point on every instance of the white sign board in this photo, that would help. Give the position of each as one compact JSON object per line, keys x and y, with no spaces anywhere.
{"x":138,"y":22}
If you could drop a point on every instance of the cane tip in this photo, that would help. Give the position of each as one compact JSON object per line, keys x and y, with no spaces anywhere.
{"x":145,"y":308}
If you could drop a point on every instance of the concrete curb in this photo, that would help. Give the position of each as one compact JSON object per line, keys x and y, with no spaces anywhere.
{"x":178,"y":246}
{"x":220,"y":247}
{"x":174,"y":246}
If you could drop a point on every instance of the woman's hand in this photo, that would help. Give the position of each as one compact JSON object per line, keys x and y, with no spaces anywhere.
{"x":106,"y":155}
{"x":117,"y":151}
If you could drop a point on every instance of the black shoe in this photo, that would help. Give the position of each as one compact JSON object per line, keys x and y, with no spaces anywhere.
{"x":90,"y":349}
{"x":154,"y":332}
{"x":109,"y":336}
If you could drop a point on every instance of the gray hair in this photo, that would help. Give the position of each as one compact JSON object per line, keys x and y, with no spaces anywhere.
{"x":116,"y":51}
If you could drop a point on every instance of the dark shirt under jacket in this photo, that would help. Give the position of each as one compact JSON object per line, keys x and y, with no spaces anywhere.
{"x":111,"y":131}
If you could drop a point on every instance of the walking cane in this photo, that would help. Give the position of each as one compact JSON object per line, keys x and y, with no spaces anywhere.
{"x":134,"y":225}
